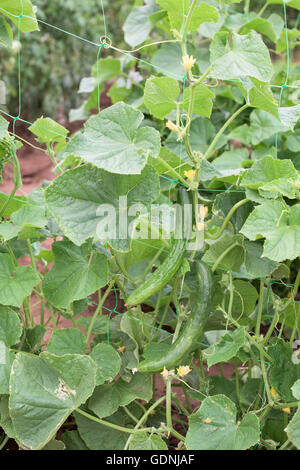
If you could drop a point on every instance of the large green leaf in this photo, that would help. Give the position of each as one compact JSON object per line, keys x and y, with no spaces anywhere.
{"x":44,"y":390}
{"x":241,"y":56}
{"x":270,"y":27}
{"x":14,"y":8}
{"x":202,"y":13}
{"x":272,"y":177}
{"x":15,"y":283}
{"x":214,"y":427}
{"x":264,"y":125}
{"x":279,"y":225}
{"x":75,"y":274}
{"x":106,"y":399}
{"x":84,"y":189}
{"x":10,"y":326}
{"x":113,"y":141}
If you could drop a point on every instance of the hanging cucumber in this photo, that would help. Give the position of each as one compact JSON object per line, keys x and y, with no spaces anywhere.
{"x":200,"y":302}
{"x":160,"y":277}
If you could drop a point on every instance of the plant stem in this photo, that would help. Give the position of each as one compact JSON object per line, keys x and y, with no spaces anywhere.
{"x":168,"y":403}
{"x":222,"y":130}
{"x":130,"y":414}
{"x":263,"y":9}
{"x":98,"y":309}
{"x":143,"y":418}
{"x":4,"y":442}
{"x":172,"y":171}
{"x":227,"y":219}
{"x":259,"y":308}
{"x":222,"y":256}
{"x":107,"y":423}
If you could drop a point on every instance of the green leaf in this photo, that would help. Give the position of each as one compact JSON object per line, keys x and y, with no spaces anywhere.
{"x":106,"y":399}
{"x":222,"y":431}
{"x":203,"y":13}
{"x":244,"y":56}
{"x":143,"y":441}
{"x":244,"y":298}
{"x":231,"y":261}
{"x":176,"y":10}
{"x":73,"y":441}
{"x":280,"y":227}
{"x":48,"y":131}
{"x":76,"y":273}
{"x":14,"y":8}
{"x":263,"y":126}
{"x":137,"y":25}
{"x":293,"y":429}
{"x":257,"y":265}
{"x":108,"y":362}
{"x":168,"y":61}
{"x":160,"y":95}
{"x":289,"y":3}
{"x":270,"y":27}
{"x":100,"y":437}
{"x":15,"y":283}
{"x":259,"y":95}
{"x":296,"y":389}
{"x":271,"y":177}
{"x":10,"y":326}
{"x":289,"y":115}
{"x":5,"y":419}
{"x":283,"y":372}
{"x":67,"y":341}
{"x":226,"y":348}
{"x":112,"y":141}
{"x":83,"y":219}
{"x":44,"y":390}
{"x":6,"y":36}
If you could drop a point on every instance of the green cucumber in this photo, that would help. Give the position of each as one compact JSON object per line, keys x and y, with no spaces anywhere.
{"x":200,"y":302}
{"x":159,"y":278}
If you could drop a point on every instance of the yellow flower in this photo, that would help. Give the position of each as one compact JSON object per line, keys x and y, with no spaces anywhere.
{"x":121,"y":349}
{"x":200,"y":227}
{"x":188,"y":62}
{"x":170,"y":125}
{"x":203,"y":212}
{"x":190,"y":174}
{"x":286,"y":410}
{"x":274,"y":393}
{"x":183,"y":370}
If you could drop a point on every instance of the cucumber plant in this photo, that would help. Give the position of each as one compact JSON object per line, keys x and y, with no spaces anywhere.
{"x":180,"y":202}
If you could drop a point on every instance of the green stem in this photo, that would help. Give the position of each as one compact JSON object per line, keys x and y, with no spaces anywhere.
{"x":222,"y":130}
{"x":98,"y":309}
{"x":263,"y":9}
{"x":32,"y":258}
{"x":130,"y":414}
{"x":52,"y":316}
{"x":108,"y":424}
{"x":227,"y":219}
{"x":259,"y":309}
{"x":172,"y":171}
{"x":169,"y":403}
{"x":271,"y":328}
{"x":4,"y":442}
{"x":222,"y":256}
{"x":12,"y":255}
{"x":143,"y":418}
